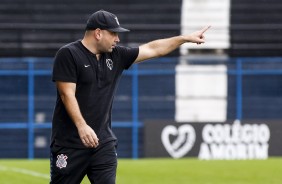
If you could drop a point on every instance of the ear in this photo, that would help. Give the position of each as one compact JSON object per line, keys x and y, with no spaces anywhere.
{"x":98,"y":33}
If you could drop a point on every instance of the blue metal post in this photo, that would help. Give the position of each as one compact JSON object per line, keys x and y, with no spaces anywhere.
{"x":30,"y":109}
{"x":239,"y":88}
{"x":135,"y":112}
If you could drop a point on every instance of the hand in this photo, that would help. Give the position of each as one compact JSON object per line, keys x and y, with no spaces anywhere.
{"x":88,"y":136}
{"x":198,"y":36}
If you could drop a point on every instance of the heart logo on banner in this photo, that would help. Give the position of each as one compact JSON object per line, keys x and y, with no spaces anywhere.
{"x":185,"y":139}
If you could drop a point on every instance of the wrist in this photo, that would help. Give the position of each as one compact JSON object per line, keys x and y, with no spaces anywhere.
{"x":80,"y":124}
{"x":186,"y":38}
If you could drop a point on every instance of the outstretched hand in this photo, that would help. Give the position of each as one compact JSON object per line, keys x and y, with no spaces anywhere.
{"x":162,"y":47}
{"x":198,"y":36}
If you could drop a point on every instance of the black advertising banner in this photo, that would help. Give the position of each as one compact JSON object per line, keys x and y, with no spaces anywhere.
{"x":213,"y":141}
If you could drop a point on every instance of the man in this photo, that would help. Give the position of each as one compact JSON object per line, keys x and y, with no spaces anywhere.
{"x":87,"y":74}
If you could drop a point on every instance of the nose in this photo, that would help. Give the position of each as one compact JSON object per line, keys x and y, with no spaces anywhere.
{"x":117,"y":38}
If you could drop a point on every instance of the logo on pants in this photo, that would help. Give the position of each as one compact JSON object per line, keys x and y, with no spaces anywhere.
{"x":62,"y":161}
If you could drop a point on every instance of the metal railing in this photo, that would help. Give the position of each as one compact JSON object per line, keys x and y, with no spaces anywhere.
{"x":135,"y":72}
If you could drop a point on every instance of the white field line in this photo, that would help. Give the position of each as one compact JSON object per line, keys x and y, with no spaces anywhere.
{"x":24,"y":171}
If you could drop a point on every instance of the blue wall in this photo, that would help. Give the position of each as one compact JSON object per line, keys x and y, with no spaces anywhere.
{"x":146,"y":92}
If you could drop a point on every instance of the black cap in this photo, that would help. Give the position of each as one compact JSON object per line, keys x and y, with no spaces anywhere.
{"x":105,"y":21}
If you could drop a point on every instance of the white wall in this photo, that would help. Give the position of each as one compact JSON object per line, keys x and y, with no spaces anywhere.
{"x":201,"y":90}
{"x":198,"y":13}
{"x":201,"y":93}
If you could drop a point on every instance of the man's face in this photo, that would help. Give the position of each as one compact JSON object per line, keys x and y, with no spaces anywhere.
{"x":108,"y":40}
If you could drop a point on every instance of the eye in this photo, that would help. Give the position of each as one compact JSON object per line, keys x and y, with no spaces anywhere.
{"x":114,"y":34}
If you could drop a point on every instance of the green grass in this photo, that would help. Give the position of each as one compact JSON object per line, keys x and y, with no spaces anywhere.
{"x":158,"y":171}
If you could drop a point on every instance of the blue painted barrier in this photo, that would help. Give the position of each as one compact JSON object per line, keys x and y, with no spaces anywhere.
{"x":30,"y":70}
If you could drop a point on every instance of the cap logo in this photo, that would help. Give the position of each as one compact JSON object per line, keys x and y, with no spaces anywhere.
{"x":117,"y":20}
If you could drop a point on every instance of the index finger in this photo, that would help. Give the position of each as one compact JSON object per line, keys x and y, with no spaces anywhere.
{"x":205,"y":29}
